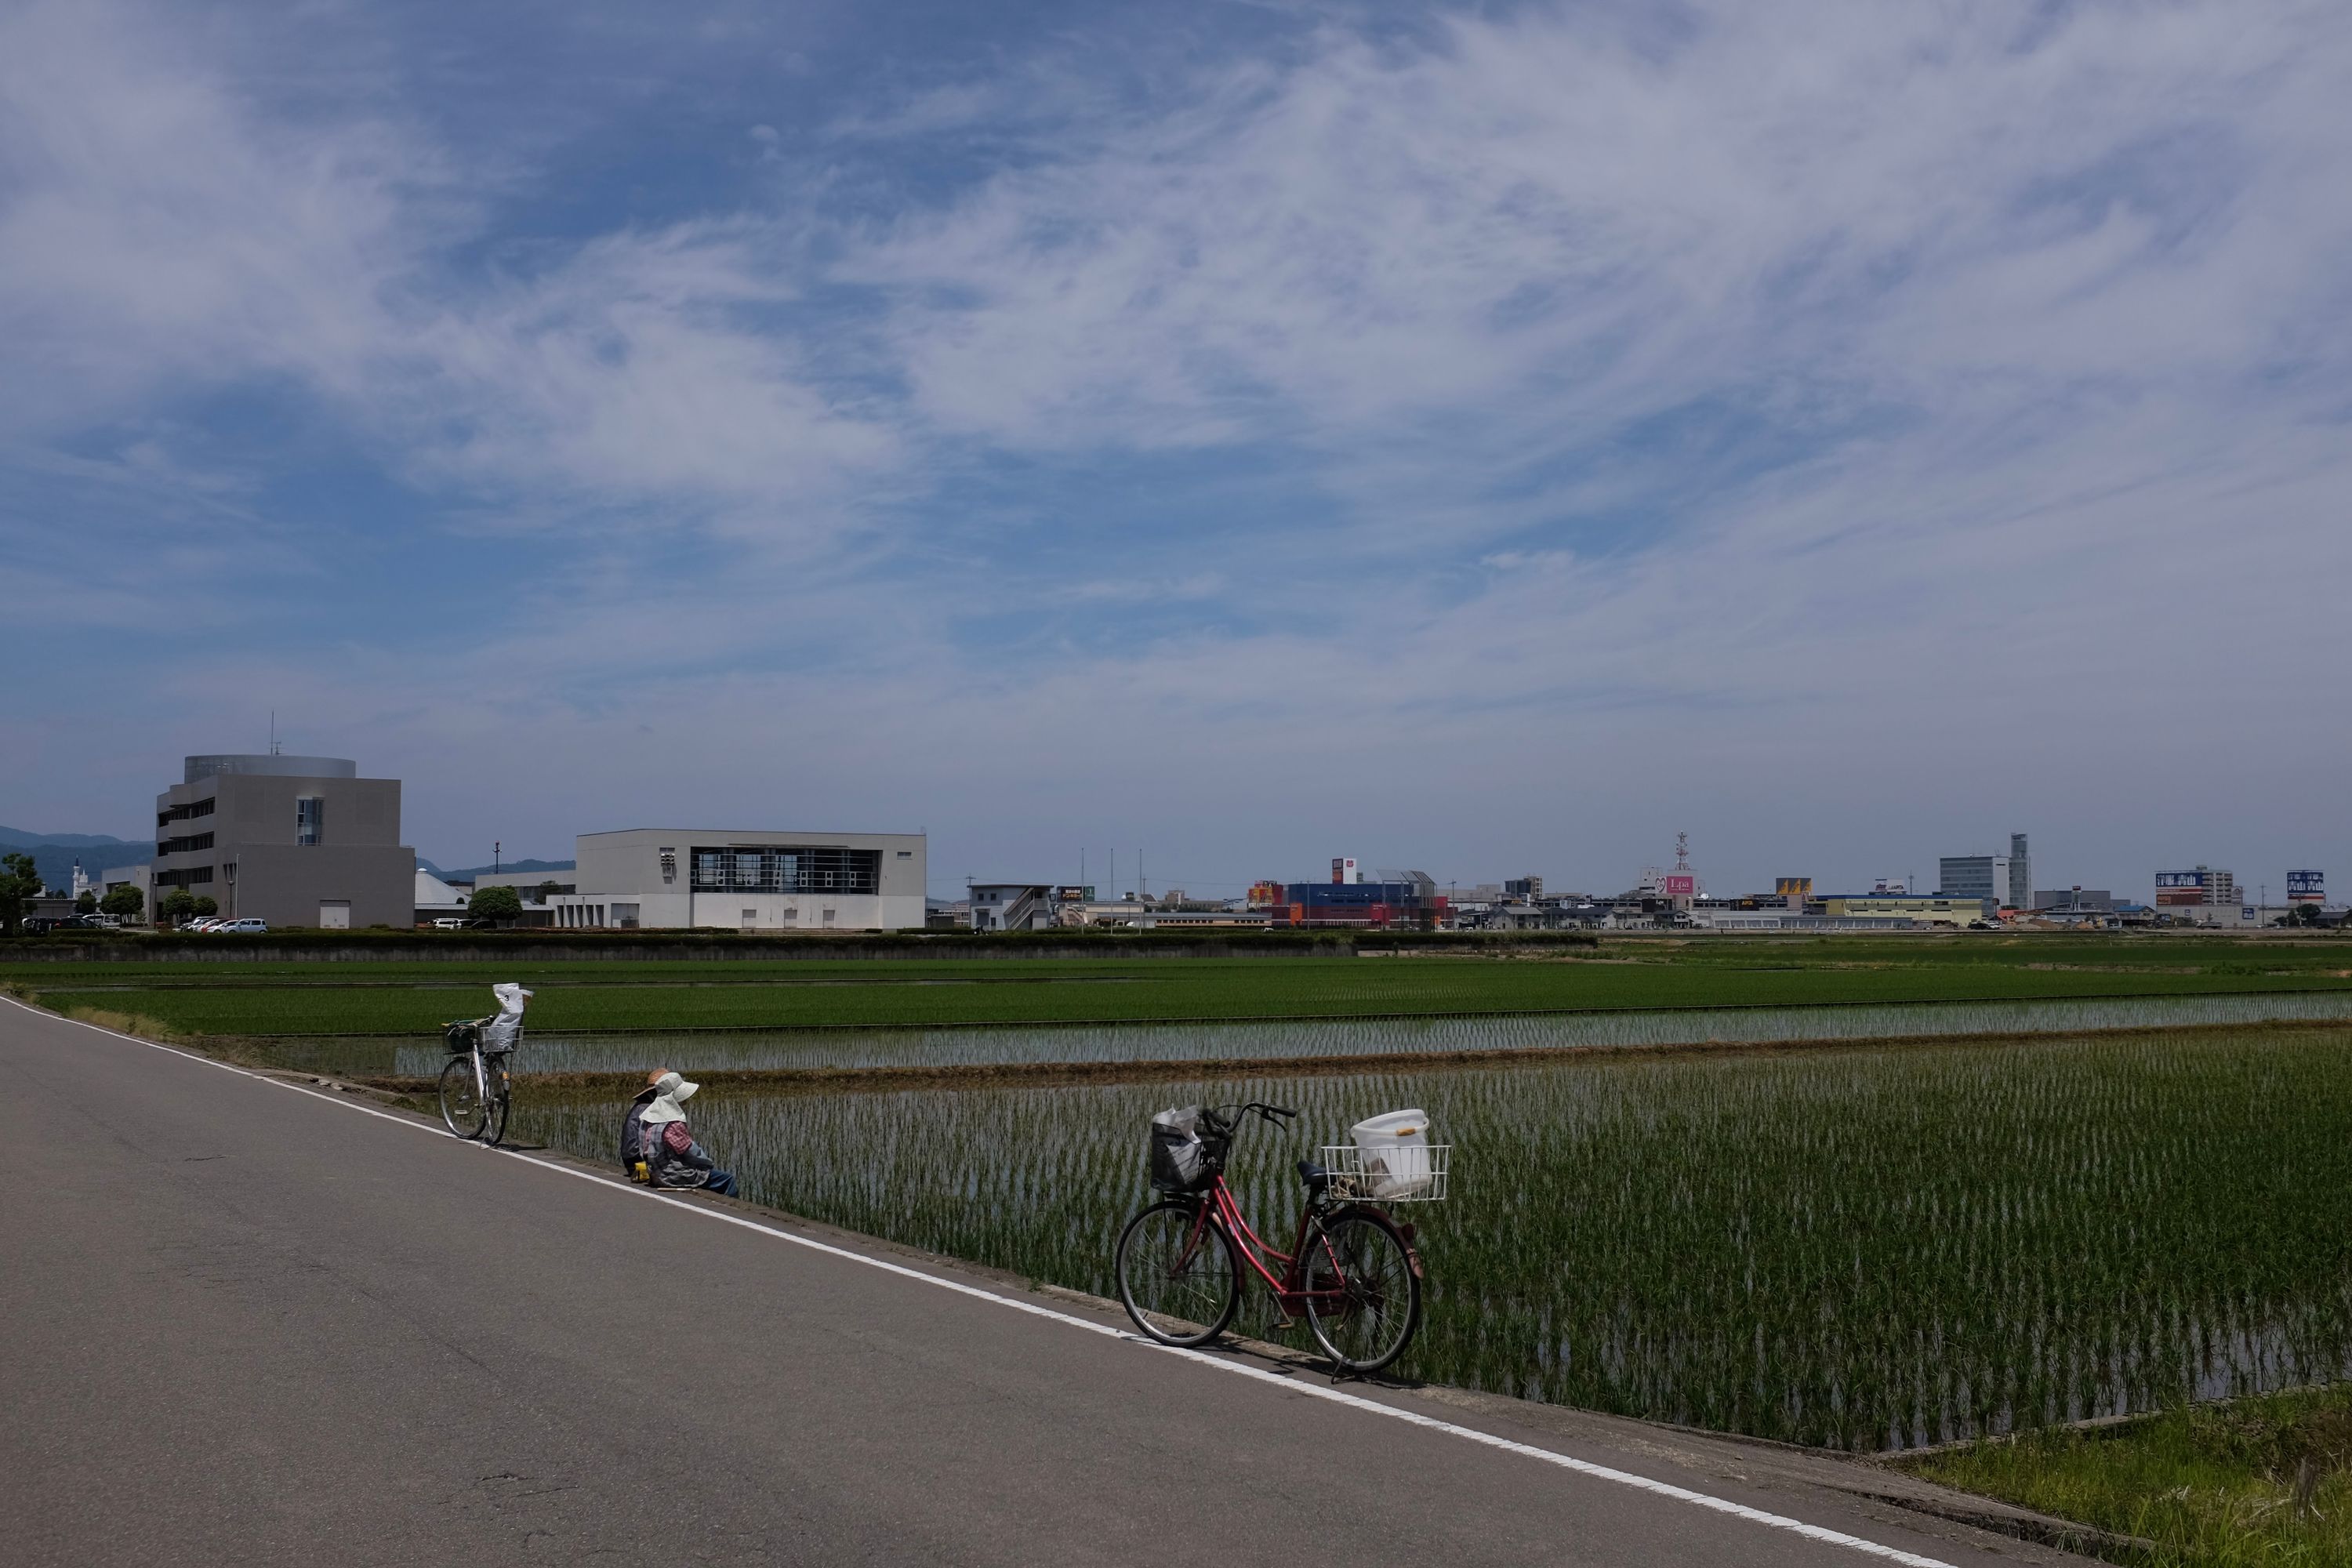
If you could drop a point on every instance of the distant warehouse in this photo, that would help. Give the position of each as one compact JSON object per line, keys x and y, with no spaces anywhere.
{"x":707,"y":879}
{"x":1407,"y":900}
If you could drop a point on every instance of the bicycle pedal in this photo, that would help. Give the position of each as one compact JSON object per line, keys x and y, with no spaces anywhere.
{"x":1283,"y":1325}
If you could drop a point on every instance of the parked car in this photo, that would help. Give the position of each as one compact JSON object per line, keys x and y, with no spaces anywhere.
{"x":248,"y":926}
{"x":451,"y":923}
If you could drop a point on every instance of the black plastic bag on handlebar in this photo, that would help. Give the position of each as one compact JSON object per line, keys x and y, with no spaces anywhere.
{"x":1187,"y":1149}
{"x":461,"y":1038}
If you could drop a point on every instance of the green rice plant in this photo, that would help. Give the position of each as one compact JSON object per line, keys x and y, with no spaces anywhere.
{"x":1202,"y":991}
{"x":1865,"y":1247}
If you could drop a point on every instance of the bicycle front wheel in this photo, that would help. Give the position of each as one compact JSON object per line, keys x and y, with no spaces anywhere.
{"x":463,"y":1108}
{"x":1178,"y":1276}
{"x":1363,"y":1300}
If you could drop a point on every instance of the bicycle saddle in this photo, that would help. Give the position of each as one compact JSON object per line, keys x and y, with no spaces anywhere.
{"x":1315,"y":1177}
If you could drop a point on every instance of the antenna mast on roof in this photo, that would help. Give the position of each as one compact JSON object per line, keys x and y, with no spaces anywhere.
{"x":273,"y":732}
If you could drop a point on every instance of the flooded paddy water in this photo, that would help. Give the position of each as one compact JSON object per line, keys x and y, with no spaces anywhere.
{"x":726,"y":1050}
{"x":1866,"y":1246}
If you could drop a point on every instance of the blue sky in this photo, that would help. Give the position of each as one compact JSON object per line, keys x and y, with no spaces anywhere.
{"x":1486,"y":440}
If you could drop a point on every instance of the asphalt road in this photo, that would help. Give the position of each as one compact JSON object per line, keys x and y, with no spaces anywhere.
{"x":247,"y":1323}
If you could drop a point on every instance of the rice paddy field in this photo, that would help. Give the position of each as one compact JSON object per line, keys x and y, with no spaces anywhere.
{"x":390,"y":998}
{"x":1299,"y":1042}
{"x":1868,"y":1247}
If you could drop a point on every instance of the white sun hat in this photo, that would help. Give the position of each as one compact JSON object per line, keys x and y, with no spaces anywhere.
{"x":670,"y":1094}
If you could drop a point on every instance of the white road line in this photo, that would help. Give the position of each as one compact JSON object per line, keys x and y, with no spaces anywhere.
{"x":1313,"y":1390}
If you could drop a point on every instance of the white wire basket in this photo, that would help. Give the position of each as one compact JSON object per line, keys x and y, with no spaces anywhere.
{"x":1410,"y":1173}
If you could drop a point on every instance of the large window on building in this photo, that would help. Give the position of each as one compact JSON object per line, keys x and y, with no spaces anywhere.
{"x":309,"y":818}
{"x":786,"y":869}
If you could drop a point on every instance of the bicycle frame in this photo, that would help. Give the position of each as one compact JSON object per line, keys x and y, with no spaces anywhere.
{"x":1289,"y":1291}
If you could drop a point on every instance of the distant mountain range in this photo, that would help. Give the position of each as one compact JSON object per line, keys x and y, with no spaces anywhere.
{"x":470,"y":872}
{"x":55,"y":853}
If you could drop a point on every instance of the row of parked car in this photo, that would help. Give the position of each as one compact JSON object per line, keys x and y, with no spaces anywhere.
{"x":41,"y":925}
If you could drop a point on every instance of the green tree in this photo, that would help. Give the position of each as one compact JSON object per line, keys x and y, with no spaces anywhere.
{"x":20,"y":880}
{"x":125,"y":902}
{"x":87,"y":904}
{"x":178,"y":906}
{"x":205,"y":906}
{"x":496,"y":904}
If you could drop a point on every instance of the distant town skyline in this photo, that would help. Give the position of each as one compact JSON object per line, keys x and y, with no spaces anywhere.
{"x":1487,"y":440}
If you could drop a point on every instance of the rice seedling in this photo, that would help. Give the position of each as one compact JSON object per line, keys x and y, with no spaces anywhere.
{"x":1866,"y":1247}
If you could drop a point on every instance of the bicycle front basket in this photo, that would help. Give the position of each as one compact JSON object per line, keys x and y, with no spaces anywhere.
{"x":1182,"y":1161}
{"x":461,"y":1037}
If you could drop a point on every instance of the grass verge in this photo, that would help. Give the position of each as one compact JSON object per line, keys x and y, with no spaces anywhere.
{"x":2262,"y":1481}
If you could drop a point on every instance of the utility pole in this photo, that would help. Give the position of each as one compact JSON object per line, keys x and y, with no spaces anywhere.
{"x":497,"y":850}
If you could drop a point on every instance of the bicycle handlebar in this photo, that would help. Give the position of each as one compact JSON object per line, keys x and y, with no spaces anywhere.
{"x":1271,"y":1115}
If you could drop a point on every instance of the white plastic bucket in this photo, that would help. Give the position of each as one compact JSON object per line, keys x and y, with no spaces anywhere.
{"x":1395,"y":1148}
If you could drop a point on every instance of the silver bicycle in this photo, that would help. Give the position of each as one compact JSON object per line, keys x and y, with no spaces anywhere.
{"x":477,"y":1091}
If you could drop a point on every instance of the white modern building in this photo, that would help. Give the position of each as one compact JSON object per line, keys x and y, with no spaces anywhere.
{"x":717,"y":880}
{"x":1013,"y":906}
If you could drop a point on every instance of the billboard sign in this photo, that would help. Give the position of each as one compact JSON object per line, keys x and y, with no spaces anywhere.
{"x":1346,"y":872}
{"x":2177,"y":888}
{"x":2306,"y":887}
{"x":1681,"y":885}
{"x":1073,"y":895}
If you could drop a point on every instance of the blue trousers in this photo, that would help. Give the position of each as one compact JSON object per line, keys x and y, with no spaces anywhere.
{"x":721,"y":1182}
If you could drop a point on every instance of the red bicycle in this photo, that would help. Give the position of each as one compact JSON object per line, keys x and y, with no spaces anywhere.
{"x":1352,"y":1272}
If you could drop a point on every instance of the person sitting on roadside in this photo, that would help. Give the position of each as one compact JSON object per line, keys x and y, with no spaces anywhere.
{"x":673,"y":1158}
{"x":636,"y":1161}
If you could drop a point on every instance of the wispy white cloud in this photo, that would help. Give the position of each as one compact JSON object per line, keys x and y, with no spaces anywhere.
{"x":1933,"y":396}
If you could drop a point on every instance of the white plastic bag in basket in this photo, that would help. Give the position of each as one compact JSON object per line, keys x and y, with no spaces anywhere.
{"x":1395,"y":1149}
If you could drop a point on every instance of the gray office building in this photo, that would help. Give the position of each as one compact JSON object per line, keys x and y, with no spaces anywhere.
{"x":295,"y":841}
{"x":1984,"y":877}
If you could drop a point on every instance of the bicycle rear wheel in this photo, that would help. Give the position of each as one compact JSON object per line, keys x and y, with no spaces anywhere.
{"x":463,"y":1108}
{"x":1177,"y":1276}
{"x":1363,"y":1300}
{"x":502,"y":1101}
